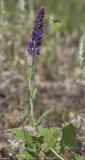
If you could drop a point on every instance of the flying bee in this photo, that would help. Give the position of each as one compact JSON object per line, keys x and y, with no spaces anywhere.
{"x":57,"y":20}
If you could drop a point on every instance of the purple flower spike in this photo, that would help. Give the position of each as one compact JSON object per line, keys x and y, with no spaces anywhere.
{"x":37,"y":32}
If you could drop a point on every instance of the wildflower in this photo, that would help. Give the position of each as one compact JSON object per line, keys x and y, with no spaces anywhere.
{"x":37,"y":32}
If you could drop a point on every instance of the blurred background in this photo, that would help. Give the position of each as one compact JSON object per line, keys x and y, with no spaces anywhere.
{"x":59,"y":74}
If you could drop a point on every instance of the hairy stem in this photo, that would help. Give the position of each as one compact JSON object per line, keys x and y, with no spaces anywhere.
{"x":56,"y":154}
{"x":31,"y":100}
{"x":30,"y":88}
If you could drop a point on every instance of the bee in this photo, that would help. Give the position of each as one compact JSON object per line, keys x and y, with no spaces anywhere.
{"x":57,"y":20}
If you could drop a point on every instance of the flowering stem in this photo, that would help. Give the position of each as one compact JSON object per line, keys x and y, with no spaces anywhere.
{"x":31,"y":105}
{"x":56,"y":154}
{"x":30,"y":89}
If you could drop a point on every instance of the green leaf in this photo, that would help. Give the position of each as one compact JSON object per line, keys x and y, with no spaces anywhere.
{"x":30,"y":74}
{"x":43,"y":131}
{"x":30,"y":91}
{"x":25,"y":155}
{"x":34,"y":94}
{"x":58,"y":147}
{"x":44,"y":115}
{"x":78,"y":157}
{"x":50,"y":137}
{"x":69,"y":135}
{"x":25,"y":135}
{"x":38,"y":139}
{"x":32,"y":149}
{"x":21,"y":110}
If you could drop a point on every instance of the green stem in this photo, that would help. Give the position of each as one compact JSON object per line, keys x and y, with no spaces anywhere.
{"x":31,"y":77}
{"x":31,"y":101}
{"x":56,"y":154}
{"x":32,"y":112}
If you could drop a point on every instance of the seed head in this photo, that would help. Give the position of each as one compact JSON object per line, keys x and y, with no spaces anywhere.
{"x":37,"y":32}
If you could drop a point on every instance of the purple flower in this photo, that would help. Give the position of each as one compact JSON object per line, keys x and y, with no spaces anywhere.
{"x":37,"y":32}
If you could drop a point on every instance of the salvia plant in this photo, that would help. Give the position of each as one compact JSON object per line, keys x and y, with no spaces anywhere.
{"x":42,"y":142}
